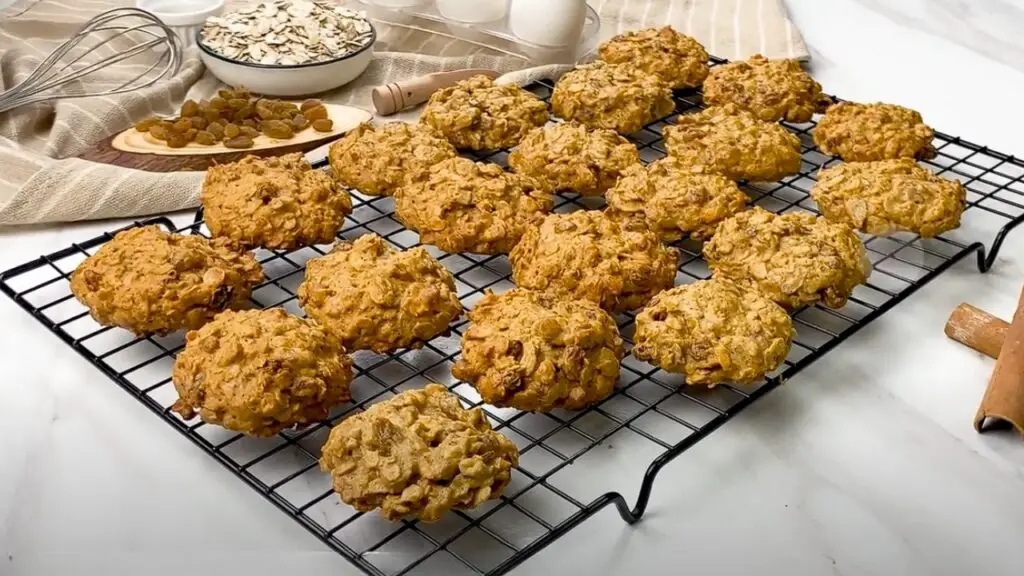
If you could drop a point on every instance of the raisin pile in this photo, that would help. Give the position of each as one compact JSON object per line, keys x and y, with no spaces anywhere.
{"x":235,"y":118}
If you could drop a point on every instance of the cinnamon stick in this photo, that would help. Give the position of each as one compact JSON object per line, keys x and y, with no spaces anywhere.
{"x":1004,"y":397}
{"x":977,"y":329}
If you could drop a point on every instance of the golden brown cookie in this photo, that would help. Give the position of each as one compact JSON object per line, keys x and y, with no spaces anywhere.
{"x":279,"y":203}
{"x":569,"y":157}
{"x":536,"y":351}
{"x":465,"y":206}
{"x":375,"y":298}
{"x":865,"y":132}
{"x":735,"y":143}
{"x":589,"y":256}
{"x":673,"y":200}
{"x":713,"y":331}
{"x":890,"y":196}
{"x":618,"y":97}
{"x":260,"y":371}
{"x":375,"y":160}
{"x":477,"y":114}
{"x":795,"y":259}
{"x":771,"y":89}
{"x":150,"y":281}
{"x":419,"y":454}
{"x":675,"y":58}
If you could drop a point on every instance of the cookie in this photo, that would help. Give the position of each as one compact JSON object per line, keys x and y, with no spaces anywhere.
{"x":465,"y":206}
{"x":375,"y":160}
{"x":418,"y":455}
{"x":713,"y":331}
{"x":673,"y":200}
{"x":150,"y":281}
{"x":569,"y":157}
{"x":477,"y":114}
{"x":616,"y":97}
{"x":589,"y":256}
{"x":676,"y":59}
{"x":537,"y":352}
{"x":795,"y":259}
{"x":733,"y":142}
{"x":771,"y":89}
{"x":259,"y":372}
{"x":279,"y":203}
{"x":866,"y":132}
{"x":373,"y":297}
{"x":890,"y":196}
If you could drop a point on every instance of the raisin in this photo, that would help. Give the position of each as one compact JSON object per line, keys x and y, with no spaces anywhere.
{"x":311,"y":103}
{"x":189,"y":108}
{"x":244,"y":112}
{"x":176,"y":140}
{"x":264,"y":110}
{"x":231,"y":131}
{"x":250,"y":131}
{"x":218,"y":103}
{"x":205,"y":138}
{"x":146,"y":124}
{"x":198,"y":122}
{"x":191,"y":134}
{"x":216,"y":128}
{"x":277,"y":129}
{"x":323,"y":125}
{"x":299,"y":122}
{"x":315,"y":113}
{"x":225,"y":94}
{"x":251,"y":123}
{"x":158,"y":132}
{"x":239,"y":142}
{"x":183,"y":125}
{"x":238,"y":103}
{"x":211,"y":115}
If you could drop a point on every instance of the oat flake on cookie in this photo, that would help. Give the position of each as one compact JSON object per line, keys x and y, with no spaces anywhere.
{"x":287,"y":32}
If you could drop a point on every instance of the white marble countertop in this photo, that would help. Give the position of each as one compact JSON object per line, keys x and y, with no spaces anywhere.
{"x":865,"y":463}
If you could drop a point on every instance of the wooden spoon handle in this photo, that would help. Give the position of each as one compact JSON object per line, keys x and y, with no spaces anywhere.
{"x":397,"y":96}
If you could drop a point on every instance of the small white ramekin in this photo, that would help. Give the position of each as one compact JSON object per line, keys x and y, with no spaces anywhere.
{"x":185,"y":17}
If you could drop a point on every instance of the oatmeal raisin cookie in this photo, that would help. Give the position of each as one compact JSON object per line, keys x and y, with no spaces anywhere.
{"x":260,"y":371}
{"x":419,"y":454}
{"x":375,"y":298}
{"x":279,"y":203}
{"x":889,"y":196}
{"x":536,"y":351}
{"x":588,"y":255}
{"x":713,"y":331}
{"x":151,"y":281}
{"x":477,"y":114}
{"x":465,"y":206}
{"x":569,"y":157}
{"x":795,"y":259}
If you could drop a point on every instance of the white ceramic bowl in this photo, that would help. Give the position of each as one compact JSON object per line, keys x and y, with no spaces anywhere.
{"x":288,"y":80}
{"x":185,"y":17}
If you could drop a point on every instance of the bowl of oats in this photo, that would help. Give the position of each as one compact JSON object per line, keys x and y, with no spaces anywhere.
{"x":287,"y":47}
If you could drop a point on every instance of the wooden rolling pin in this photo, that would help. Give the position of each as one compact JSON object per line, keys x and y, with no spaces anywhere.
{"x":393,"y":98}
{"x":977,"y":329}
{"x":1004,"y":398}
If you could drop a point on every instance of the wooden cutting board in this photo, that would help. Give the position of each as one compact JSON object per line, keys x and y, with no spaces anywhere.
{"x":134,"y":149}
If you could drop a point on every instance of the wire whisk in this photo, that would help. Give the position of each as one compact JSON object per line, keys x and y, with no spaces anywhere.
{"x":90,"y":50}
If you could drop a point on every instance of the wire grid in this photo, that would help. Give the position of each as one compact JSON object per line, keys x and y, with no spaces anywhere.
{"x":571,"y":462}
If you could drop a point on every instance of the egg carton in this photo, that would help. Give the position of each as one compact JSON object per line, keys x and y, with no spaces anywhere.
{"x":482,"y":23}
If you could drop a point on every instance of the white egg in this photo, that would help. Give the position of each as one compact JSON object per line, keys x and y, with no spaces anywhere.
{"x":548,"y":22}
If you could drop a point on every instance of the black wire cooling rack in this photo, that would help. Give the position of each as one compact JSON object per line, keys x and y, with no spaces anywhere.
{"x":571,"y":463}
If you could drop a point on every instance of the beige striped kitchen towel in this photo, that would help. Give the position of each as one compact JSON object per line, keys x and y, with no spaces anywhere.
{"x":42,"y":181}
